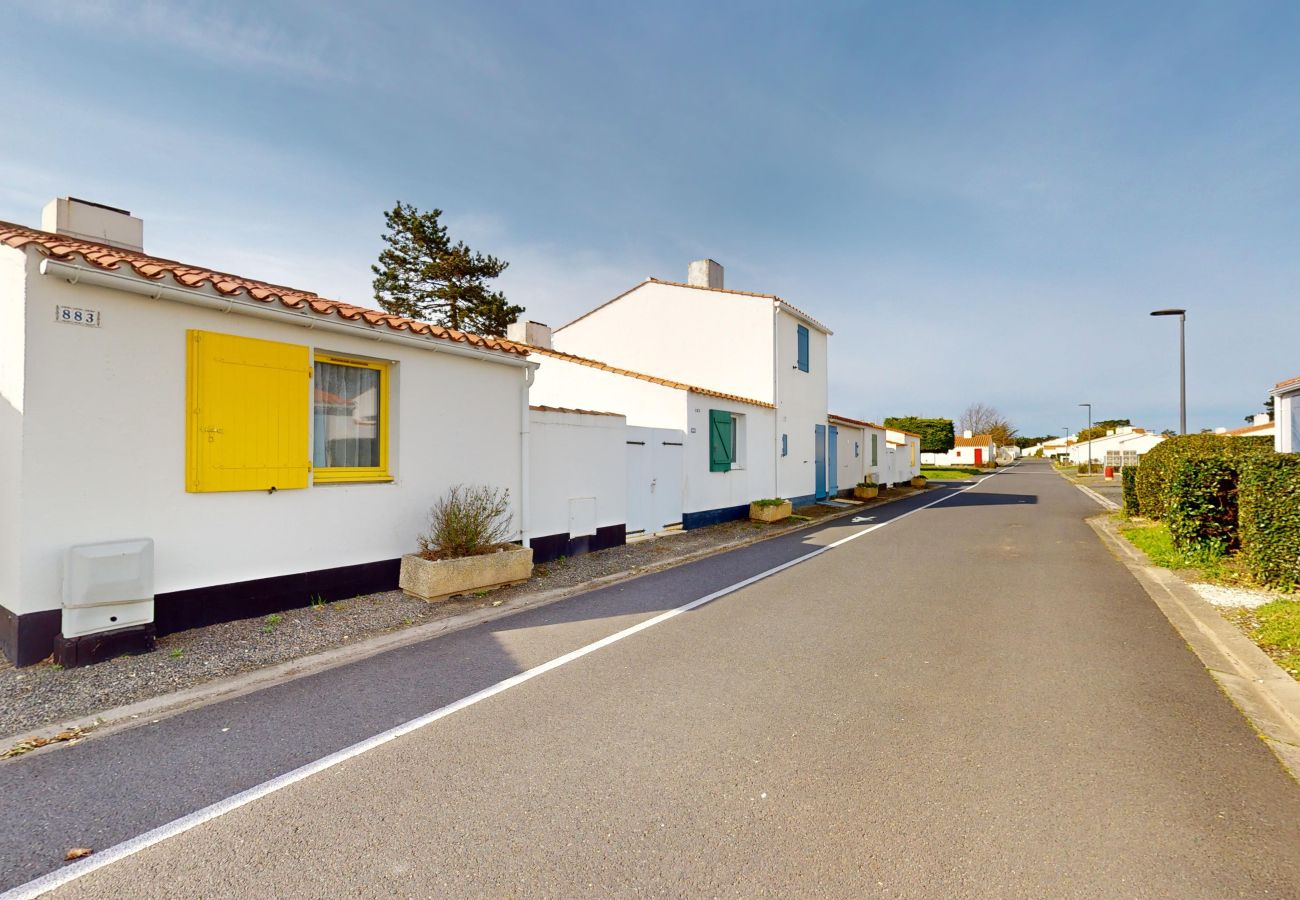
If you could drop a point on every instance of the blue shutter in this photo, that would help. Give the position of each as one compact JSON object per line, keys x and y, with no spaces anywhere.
{"x":803,"y":349}
{"x":785,"y":445}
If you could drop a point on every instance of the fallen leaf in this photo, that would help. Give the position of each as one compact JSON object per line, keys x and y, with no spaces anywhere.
{"x":77,"y":853}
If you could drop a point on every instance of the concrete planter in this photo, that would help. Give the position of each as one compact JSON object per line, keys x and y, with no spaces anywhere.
{"x":759,"y":513}
{"x":865,"y":493}
{"x":919,"y":481}
{"x":437,"y":579}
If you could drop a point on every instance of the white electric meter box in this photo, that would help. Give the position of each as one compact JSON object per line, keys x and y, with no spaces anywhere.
{"x":107,"y":586}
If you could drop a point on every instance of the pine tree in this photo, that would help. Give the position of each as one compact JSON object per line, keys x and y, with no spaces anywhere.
{"x":422,"y":275}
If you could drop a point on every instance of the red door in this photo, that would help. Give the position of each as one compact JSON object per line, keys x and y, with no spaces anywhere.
{"x":979,"y":456}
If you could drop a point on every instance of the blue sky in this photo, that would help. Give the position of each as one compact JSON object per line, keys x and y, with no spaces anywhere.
{"x":983,"y":200}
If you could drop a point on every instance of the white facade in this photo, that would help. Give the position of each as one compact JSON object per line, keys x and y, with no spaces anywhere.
{"x":93,"y":430}
{"x":578,"y":491}
{"x":852,"y":452}
{"x":563,"y":380}
{"x":1123,"y":440}
{"x":906,"y":455}
{"x":1286,"y":415}
{"x":728,"y":341}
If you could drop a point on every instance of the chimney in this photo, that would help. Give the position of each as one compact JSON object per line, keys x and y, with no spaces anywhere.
{"x":1261,"y":419}
{"x":93,"y":222}
{"x":1220,"y":430}
{"x":967,"y":434}
{"x":534,"y":334}
{"x":704,"y":273}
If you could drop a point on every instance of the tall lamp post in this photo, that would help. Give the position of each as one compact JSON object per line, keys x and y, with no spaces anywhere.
{"x":1182,"y":363}
{"x":1089,"y":405}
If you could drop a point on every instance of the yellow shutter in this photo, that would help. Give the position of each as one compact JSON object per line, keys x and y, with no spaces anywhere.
{"x":247,"y":416}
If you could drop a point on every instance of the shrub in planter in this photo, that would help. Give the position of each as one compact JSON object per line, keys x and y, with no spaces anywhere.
{"x":465,"y":548}
{"x":772,"y":509}
{"x":1128,"y":485}
{"x":1269,"y":518}
{"x":1158,"y":464}
{"x":865,"y":490}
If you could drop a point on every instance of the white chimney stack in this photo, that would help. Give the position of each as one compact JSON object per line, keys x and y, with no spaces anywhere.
{"x":93,"y":222}
{"x":967,"y":434}
{"x":704,"y":273}
{"x":534,"y":334}
{"x":1262,"y":419}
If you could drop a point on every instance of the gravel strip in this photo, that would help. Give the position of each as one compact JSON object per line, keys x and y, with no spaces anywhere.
{"x":1234,"y":597}
{"x":44,"y":694}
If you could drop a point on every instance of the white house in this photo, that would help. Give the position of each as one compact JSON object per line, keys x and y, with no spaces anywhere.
{"x":696,"y":456}
{"x":1286,"y":413}
{"x":273,"y":444}
{"x":739,"y":343}
{"x":972,"y":450}
{"x":1260,"y":426}
{"x":1114,"y":447}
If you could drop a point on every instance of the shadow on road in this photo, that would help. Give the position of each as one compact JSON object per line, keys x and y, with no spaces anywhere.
{"x":987,"y":498}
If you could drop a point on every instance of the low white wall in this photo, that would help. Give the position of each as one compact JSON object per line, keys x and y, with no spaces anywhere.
{"x":573,"y":457}
{"x":105,"y":448}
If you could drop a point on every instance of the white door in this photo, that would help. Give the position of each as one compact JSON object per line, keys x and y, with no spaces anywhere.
{"x":654,"y":479}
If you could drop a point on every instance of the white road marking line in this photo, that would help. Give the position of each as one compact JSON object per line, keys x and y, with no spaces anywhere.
{"x":56,"y":879}
{"x":1105,"y":504}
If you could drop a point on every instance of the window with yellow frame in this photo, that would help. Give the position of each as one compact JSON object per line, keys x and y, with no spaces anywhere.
{"x":350,"y":416}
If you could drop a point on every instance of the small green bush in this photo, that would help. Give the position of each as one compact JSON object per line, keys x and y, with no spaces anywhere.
{"x":1128,"y":483}
{"x":769,"y":501}
{"x":468,"y":520}
{"x":1269,"y":518}
{"x":1158,"y":464}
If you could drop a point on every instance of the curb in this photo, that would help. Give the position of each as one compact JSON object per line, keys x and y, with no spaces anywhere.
{"x":153,"y":709}
{"x":1267,"y":696}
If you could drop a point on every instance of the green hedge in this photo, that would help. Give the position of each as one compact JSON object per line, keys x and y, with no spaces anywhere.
{"x":1201,"y":503}
{"x":1128,"y":481}
{"x":1269,"y":518}
{"x":1160,"y":462}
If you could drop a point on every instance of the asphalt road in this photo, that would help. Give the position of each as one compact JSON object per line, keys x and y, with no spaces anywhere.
{"x":973,"y":701}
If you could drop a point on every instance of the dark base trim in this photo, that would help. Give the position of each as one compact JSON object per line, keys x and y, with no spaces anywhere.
{"x":28,"y":638}
{"x":93,"y":648}
{"x":182,"y":610}
{"x":805,"y":500}
{"x":553,"y":546}
{"x":714,"y":516}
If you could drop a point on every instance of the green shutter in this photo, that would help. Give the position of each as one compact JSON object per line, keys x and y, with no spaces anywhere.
{"x":721,"y":453}
{"x":874,"y":461}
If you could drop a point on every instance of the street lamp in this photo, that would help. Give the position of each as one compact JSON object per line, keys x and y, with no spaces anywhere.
{"x":1089,"y":405}
{"x":1182,"y":363}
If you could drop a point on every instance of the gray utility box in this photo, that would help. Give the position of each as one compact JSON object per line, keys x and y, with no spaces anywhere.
{"x":107,"y":586}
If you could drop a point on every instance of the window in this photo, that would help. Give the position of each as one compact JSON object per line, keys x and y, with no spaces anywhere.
{"x":785,"y":445}
{"x":726,"y":438}
{"x":803,"y":348}
{"x":875,"y":453}
{"x":855,"y":450}
{"x":350,"y":420}
{"x":246,"y":414}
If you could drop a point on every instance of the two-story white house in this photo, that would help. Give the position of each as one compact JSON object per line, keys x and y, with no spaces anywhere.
{"x":746,"y":344}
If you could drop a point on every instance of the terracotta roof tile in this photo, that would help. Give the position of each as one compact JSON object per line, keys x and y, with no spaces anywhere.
{"x":1290,"y":382}
{"x":979,"y":440}
{"x":862,"y":423}
{"x":678,"y":385}
{"x":1249,"y":429}
{"x":579,"y":412}
{"x":155,"y":268}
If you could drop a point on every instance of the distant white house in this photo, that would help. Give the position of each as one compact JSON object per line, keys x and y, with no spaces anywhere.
{"x":1260,"y":426}
{"x":737,"y":343}
{"x":1286,"y":413}
{"x":1129,"y":442}
{"x":972,"y":450}
{"x":275,"y":445}
{"x":862,"y":452}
